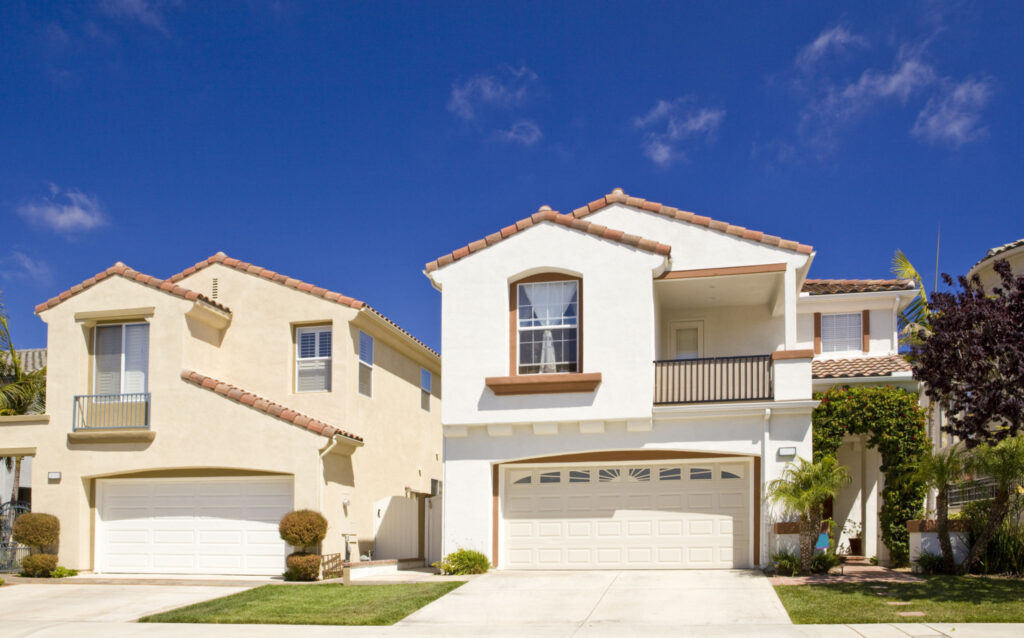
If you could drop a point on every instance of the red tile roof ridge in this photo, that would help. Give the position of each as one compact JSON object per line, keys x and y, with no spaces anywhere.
{"x":265,"y":273}
{"x":121,"y":270}
{"x":846,"y":286}
{"x":545,"y":214}
{"x":238,"y":395}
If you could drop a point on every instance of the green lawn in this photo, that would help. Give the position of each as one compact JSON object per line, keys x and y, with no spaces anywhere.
{"x":941,"y":598}
{"x":327,"y":604}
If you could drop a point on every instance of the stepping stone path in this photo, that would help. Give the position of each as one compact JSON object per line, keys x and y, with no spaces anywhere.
{"x":912,"y":613}
{"x":898,"y":603}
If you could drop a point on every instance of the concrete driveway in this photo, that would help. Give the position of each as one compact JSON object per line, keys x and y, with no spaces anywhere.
{"x":100,"y":603}
{"x":613,"y":602}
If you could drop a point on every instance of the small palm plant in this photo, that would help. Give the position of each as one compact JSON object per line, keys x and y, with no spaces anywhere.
{"x":803,"y":489}
{"x":1003,"y":463}
{"x":940,"y":470}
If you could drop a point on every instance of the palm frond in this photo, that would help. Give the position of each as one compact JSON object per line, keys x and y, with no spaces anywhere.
{"x":918,"y":312}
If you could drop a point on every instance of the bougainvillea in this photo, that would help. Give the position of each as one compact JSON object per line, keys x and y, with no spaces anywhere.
{"x":972,"y":360}
{"x":894,"y":424}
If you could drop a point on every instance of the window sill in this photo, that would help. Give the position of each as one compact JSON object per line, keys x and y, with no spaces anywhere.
{"x":126,"y":435}
{"x":544,"y":383}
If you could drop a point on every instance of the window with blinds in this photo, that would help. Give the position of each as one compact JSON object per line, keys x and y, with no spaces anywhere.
{"x":841,"y":333}
{"x":365,"y":364}
{"x":313,"y":359}
{"x":425,"y":389}
{"x":122,"y":359}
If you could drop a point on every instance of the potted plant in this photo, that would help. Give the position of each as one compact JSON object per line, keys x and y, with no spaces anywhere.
{"x":853,"y":530}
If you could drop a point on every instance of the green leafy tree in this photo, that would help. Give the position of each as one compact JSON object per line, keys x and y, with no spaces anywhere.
{"x":1003,"y":463}
{"x":803,"y":489}
{"x":940,"y":470}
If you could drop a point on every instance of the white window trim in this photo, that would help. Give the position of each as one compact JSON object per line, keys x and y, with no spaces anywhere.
{"x":676,"y":325}
{"x":96,"y":359}
{"x":369,"y":365}
{"x":520,"y":328}
{"x":857,"y":350}
{"x":316,"y":330}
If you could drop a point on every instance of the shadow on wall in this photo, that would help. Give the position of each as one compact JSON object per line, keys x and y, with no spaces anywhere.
{"x":398,"y":529}
{"x":399,"y":365}
{"x":490,"y":401}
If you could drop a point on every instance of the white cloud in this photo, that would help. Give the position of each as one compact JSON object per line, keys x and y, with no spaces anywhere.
{"x":490,"y":91}
{"x":65,"y":211}
{"x":838,"y":39}
{"x":18,"y":265}
{"x":669,"y":124}
{"x":525,"y":132}
{"x":147,"y":12}
{"x":953,"y":117}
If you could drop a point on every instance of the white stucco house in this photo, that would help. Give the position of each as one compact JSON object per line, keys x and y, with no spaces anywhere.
{"x":623,"y":381}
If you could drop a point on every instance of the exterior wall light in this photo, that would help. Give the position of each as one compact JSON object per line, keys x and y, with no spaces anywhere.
{"x":787,"y":451}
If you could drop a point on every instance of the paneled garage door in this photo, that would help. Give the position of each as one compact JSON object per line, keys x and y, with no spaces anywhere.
{"x":631,"y":515}
{"x":191,"y":526}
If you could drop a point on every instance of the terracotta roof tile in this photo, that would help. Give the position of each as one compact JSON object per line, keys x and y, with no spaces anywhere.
{"x":121,"y":270}
{"x":249,"y":399}
{"x":845,"y":286}
{"x":859,"y":367}
{"x":998,"y":250}
{"x":553,"y":216}
{"x":290,"y":282}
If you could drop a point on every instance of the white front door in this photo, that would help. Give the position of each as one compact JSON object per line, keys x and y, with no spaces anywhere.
{"x":191,"y":526}
{"x":641,"y":515}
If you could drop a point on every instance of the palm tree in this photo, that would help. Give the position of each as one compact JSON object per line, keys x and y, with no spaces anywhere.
{"x":917,"y":315}
{"x":803,"y":489}
{"x":1003,"y":463}
{"x":939,"y":470}
{"x":21,"y":392}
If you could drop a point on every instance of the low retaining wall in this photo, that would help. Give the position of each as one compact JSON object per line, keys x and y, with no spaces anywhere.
{"x":924,"y":537}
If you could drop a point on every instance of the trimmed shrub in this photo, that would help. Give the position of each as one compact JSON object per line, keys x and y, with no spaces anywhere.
{"x":787,"y":563}
{"x":930,"y":563}
{"x":301,"y":566}
{"x":38,"y":565}
{"x":462,"y":562}
{"x":302,"y":529}
{"x":823,"y":562}
{"x":36,"y":530}
{"x":63,"y":572}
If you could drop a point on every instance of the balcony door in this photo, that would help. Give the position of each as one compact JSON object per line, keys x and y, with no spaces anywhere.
{"x":686,"y":340}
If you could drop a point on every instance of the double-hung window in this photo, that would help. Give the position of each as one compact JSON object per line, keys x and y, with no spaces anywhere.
{"x":548,"y":327}
{"x":425,"y":380}
{"x":313,"y":359}
{"x":365,"y":364}
{"x":122,"y":359}
{"x":841,"y":332}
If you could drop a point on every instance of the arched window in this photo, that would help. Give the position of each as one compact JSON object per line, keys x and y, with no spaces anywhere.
{"x":546,"y":327}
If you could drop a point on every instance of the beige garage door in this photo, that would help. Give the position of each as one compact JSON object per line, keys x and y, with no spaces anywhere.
{"x":630,"y":515}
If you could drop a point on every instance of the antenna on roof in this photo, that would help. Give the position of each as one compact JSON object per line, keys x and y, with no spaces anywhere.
{"x":938,"y":235}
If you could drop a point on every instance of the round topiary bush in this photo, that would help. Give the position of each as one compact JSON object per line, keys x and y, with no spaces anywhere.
{"x":302,"y":566}
{"x":36,"y":530}
{"x":463,"y":561}
{"x":303,"y":529}
{"x":38,"y":565}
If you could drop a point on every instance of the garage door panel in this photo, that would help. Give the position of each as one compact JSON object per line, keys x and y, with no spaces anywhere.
{"x":643,"y":517}
{"x":192,"y":526}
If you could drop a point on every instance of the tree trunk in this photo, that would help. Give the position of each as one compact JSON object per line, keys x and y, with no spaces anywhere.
{"x":942,"y":520}
{"x":1000,"y":505}
{"x":17,"y":477}
{"x":810,"y":527}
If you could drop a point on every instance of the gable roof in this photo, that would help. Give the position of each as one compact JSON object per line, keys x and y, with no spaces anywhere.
{"x":846,"y":286}
{"x":121,"y":270}
{"x":297,"y":284}
{"x":545,"y":214}
{"x":617,"y":196}
{"x":859,"y":367}
{"x":238,"y":395}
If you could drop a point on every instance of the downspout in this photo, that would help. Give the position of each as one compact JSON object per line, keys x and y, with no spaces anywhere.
{"x":766,"y":529}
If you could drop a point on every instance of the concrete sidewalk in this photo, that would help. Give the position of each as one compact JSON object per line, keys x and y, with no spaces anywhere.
{"x":26,"y":629}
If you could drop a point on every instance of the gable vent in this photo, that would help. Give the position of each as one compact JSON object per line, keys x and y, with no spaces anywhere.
{"x":215,"y":288}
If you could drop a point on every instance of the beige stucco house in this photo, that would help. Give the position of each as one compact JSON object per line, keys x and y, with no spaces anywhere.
{"x":185,"y":416}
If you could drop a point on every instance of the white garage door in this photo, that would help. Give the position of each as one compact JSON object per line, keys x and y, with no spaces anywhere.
{"x":632,"y":515}
{"x":191,"y":526}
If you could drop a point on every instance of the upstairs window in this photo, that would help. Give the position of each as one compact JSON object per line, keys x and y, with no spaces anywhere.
{"x":548,"y":326}
{"x":313,"y":359}
{"x":425,"y":380}
{"x":122,"y":359}
{"x":841,"y":332}
{"x":365,"y":364}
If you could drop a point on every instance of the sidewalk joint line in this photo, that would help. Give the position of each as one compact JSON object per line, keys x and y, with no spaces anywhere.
{"x":594,"y":608}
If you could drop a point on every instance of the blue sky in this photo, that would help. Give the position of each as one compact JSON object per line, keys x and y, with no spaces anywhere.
{"x":347,"y":144}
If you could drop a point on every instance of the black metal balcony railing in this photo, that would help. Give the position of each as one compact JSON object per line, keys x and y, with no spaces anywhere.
{"x":747,"y":378}
{"x":978,"y":489}
{"x":111,"y":411}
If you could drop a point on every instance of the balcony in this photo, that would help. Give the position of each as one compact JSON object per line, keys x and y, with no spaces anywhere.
{"x":115,"y":412}
{"x":714,"y":379}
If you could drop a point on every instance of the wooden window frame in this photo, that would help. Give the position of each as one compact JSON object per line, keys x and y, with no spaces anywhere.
{"x":513,"y":319}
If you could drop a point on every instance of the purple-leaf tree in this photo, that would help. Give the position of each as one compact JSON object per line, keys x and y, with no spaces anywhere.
{"x":972,"y":359}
